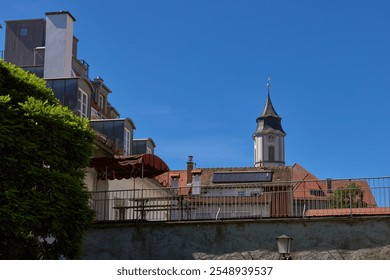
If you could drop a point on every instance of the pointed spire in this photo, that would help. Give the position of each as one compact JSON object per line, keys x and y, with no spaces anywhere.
{"x":269,"y":119}
{"x":269,"y":108}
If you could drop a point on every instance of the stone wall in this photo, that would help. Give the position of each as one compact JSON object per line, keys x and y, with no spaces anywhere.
{"x":320,"y":238}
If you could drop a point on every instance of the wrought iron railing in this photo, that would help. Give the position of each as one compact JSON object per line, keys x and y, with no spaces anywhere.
{"x":81,"y":67}
{"x":344,"y":197}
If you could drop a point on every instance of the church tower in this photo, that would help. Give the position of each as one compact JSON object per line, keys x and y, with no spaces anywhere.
{"x":269,"y":137}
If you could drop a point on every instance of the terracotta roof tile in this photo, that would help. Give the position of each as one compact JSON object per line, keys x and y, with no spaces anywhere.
{"x":311,"y":189}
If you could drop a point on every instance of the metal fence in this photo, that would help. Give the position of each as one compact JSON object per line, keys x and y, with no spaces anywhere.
{"x":343,"y":197}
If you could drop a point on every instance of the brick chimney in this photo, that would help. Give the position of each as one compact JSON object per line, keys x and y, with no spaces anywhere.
{"x":190,"y":167}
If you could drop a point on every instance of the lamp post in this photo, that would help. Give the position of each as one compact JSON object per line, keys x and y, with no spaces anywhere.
{"x":284,"y":246}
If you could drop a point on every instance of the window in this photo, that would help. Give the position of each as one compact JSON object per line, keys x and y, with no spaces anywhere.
{"x":82,"y":103}
{"x":271,"y":153}
{"x":317,"y":192}
{"x":101,"y":102}
{"x":175,"y":183}
{"x":195,"y":184}
{"x":23,"y":32}
{"x":258,"y":192}
{"x":126,"y":144}
{"x":241,"y":193}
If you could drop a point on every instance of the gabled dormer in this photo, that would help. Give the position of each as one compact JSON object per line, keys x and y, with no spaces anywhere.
{"x":100,"y":103}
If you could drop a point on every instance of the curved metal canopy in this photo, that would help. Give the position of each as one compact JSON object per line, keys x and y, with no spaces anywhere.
{"x":132,"y":166}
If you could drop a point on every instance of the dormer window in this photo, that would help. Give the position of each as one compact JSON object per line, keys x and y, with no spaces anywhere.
{"x":175,"y":183}
{"x":196,"y":184}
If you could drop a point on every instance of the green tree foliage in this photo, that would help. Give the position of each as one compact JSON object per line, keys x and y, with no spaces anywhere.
{"x":350,"y":196}
{"x":44,"y":150}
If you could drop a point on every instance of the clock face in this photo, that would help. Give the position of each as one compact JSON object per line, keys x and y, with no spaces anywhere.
{"x":271,"y":137}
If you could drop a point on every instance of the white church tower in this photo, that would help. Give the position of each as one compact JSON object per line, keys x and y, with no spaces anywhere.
{"x":269,"y":137}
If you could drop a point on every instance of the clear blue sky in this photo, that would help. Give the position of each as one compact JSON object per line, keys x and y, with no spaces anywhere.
{"x":192,"y":75}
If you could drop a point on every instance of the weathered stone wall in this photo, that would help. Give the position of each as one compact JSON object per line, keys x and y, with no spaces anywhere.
{"x":325,"y":238}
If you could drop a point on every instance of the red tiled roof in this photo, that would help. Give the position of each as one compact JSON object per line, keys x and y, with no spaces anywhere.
{"x":280,"y":174}
{"x":307,"y":182}
{"x":306,"y":186}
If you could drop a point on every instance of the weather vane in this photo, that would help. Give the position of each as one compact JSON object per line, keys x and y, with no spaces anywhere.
{"x":269,"y":82}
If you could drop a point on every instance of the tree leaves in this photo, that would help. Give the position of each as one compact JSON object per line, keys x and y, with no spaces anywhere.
{"x":44,"y":150}
{"x":350,"y":196}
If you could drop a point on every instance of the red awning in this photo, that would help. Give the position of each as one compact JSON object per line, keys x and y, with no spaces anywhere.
{"x":125,"y":167}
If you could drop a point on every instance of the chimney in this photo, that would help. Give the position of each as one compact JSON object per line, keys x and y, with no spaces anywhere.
{"x":98,"y":79}
{"x":190,"y":167}
{"x":329,"y":185}
{"x":59,"y":45}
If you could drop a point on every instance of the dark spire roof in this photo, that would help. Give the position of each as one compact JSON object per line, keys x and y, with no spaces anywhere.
{"x":269,"y":120}
{"x":269,"y":109}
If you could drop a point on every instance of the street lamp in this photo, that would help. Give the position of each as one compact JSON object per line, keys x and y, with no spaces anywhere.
{"x":284,"y":246}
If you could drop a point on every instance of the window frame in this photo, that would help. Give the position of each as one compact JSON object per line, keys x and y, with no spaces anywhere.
{"x":127,"y":142}
{"x":101,"y":102}
{"x":271,"y":153}
{"x":23,"y":32}
{"x":82,"y":103}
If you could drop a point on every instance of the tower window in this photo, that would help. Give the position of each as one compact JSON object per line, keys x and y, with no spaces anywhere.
{"x":271,"y":153}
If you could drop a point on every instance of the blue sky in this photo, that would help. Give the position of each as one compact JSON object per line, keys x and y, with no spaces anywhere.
{"x":192,"y":75}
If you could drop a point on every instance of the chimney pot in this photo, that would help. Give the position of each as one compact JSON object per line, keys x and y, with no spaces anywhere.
{"x":190,"y":167}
